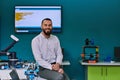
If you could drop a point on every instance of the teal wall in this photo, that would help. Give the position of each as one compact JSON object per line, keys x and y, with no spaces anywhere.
{"x":81,"y":19}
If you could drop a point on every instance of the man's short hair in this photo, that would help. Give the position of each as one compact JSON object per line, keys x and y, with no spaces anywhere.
{"x":46,"y":19}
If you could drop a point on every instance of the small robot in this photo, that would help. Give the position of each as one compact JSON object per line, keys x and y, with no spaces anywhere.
{"x":32,"y":71}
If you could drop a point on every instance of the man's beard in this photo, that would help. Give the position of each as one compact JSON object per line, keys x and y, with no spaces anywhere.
{"x":47,"y":32}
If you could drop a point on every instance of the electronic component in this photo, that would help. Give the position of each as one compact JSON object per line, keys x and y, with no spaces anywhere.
{"x":90,"y":54}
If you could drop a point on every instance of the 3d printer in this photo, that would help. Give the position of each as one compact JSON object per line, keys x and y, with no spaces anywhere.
{"x":90,"y":54}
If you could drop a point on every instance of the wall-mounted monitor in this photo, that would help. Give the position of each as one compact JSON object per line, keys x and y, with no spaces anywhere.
{"x":28,"y":18}
{"x":117,"y":53}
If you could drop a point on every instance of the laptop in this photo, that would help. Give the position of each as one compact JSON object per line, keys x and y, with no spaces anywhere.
{"x":14,"y":75}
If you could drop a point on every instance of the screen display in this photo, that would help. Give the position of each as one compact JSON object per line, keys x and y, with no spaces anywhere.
{"x":90,"y":53}
{"x":117,"y":52}
{"x":28,"y":18}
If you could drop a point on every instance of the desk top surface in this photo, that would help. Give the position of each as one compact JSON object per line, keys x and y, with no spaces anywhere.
{"x":101,"y":63}
{"x":66,"y":63}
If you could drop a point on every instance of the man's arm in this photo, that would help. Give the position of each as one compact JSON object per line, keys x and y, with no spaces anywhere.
{"x":59,"y":53}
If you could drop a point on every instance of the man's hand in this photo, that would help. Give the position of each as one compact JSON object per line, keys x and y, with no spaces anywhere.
{"x":56,"y":66}
{"x":61,"y":71}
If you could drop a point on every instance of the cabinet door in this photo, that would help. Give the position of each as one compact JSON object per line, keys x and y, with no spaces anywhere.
{"x":113,"y":73}
{"x":95,"y":73}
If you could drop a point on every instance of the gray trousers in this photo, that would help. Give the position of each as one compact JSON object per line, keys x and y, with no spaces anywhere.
{"x":50,"y":74}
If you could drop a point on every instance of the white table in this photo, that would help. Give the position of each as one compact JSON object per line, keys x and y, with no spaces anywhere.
{"x":5,"y":74}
